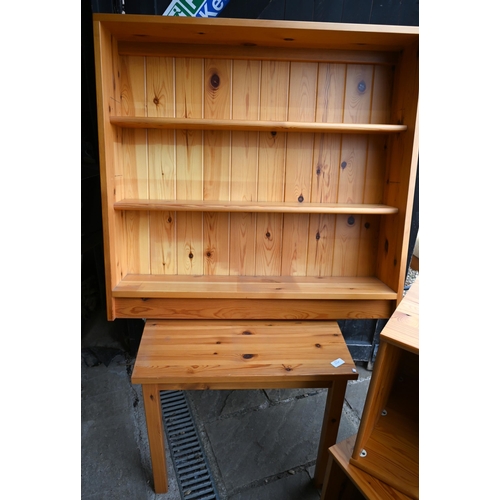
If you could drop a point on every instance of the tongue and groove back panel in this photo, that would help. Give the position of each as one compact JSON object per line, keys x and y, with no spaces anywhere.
{"x":252,"y":166}
{"x":174,"y":193}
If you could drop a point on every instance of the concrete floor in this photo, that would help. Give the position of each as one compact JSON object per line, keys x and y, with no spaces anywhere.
{"x":259,"y":444}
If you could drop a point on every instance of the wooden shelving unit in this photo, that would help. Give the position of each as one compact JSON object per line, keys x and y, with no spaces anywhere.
{"x":255,"y":152}
{"x":387,"y":443}
{"x":384,"y":455}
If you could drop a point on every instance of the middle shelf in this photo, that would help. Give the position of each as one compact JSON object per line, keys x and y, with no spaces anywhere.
{"x":154,"y":122}
{"x":254,"y":206}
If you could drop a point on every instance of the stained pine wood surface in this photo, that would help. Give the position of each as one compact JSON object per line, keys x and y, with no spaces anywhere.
{"x":389,"y":427}
{"x":209,"y":308}
{"x":340,"y":473}
{"x":265,"y":149}
{"x":273,"y":353}
{"x":264,"y":33}
{"x":230,"y":287}
{"x":402,"y":329}
{"x":207,"y":165}
{"x":393,"y":453}
{"x":253,"y":125}
{"x":244,"y":206}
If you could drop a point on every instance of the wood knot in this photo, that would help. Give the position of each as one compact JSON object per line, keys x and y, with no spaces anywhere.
{"x":318,"y":345}
{"x":350,"y":220}
{"x":343,"y":165}
{"x":247,"y":332}
{"x":215,"y":80}
{"x":247,"y":356}
{"x":156,"y":101}
{"x":301,"y":199}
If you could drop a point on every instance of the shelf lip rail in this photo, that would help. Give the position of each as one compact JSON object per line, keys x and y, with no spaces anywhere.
{"x":255,"y":207}
{"x":254,"y":125}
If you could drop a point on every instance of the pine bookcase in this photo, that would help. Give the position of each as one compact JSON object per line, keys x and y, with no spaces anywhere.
{"x":255,"y":169}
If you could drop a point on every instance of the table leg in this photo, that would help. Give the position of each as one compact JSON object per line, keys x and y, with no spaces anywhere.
{"x":330,"y":428}
{"x":154,"y":424}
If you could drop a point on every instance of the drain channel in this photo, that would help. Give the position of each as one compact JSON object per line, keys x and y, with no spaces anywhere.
{"x":190,"y":464}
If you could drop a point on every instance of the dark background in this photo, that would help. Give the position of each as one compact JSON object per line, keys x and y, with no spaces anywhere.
{"x":362,"y":336}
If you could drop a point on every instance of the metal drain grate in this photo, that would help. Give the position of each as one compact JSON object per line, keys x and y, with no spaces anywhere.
{"x":190,"y":464}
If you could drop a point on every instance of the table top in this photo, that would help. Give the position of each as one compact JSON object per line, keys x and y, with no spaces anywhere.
{"x":402,"y":329}
{"x":240,"y":353}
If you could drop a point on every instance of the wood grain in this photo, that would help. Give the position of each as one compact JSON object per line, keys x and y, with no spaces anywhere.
{"x":248,"y":351}
{"x":135,"y":163}
{"x":244,"y":166}
{"x":160,"y":96}
{"x":391,"y":439}
{"x":268,"y":125}
{"x":161,"y":180}
{"x":189,"y":150}
{"x":216,"y":164}
{"x":154,"y":425}
{"x":321,"y":245}
{"x":162,"y":308}
{"x":109,"y":137}
{"x":266,"y":33}
{"x":393,"y":453}
{"x":299,"y":158}
{"x":370,"y":486}
{"x":402,"y":329}
{"x":275,"y":287}
{"x":208,"y":153}
{"x":256,"y":53}
{"x":254,"y":206}
{"x":401,"y":172}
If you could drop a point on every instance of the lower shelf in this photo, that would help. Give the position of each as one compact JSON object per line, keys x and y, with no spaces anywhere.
{"x":392,"y":453}
{"x":369,"y":486}
{"x":249,"y":287}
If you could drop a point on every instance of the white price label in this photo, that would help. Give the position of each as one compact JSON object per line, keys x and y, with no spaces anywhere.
{"x":338,"y":362}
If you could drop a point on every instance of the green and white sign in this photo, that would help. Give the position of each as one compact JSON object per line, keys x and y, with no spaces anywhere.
{"x":195,"y":8}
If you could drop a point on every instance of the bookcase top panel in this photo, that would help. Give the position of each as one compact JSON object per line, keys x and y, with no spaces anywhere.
{"x":251,"y":32}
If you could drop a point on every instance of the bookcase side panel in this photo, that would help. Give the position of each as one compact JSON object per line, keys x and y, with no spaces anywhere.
{"x":401,"y":174}
{"x":108,"y":103}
